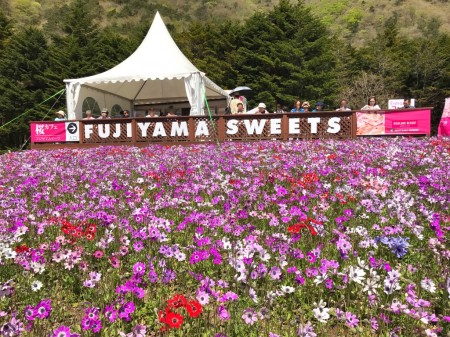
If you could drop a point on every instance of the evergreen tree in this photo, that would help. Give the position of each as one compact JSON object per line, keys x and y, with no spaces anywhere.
{"x":286,"y":54}
{"x":23,"y":81}
{"x":209,"y":47}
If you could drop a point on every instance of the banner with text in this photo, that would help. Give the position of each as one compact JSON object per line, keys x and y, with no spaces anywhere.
{"x":48,"y":132}
{"x":398,"y":122}
{"x":444,"y":124}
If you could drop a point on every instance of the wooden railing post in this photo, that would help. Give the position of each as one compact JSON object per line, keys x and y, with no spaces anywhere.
{"x":191,"y":127}
{"x":284,"y":127}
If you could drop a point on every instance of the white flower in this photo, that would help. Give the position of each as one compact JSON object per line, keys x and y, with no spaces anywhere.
{"x":36,"y":285}
{"x":287,"y":289}
{"x":356,"y":274}
{"x":320,"y":278}
{"x":391,"y":285}
{"x":321,"y":314}
{"x":38,"y":268}
{"x":428,"y":285}
{"x":253,"y":295}
{"x":394,"y":274}
{"x":140,"y":180}
{"x":8,"y":253}
{"x":226,"y":244}
{"x":371,"y":286}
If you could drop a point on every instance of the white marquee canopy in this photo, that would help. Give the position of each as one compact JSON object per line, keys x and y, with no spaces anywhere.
{"x":157,"y":72}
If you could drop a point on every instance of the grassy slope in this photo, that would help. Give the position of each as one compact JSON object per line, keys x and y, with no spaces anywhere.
{"x":354,"y":20}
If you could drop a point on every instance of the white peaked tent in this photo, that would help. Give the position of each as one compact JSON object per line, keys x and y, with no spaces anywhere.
{"x":157,"y":72}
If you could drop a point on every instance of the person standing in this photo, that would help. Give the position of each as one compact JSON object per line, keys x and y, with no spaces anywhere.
{"x":306,"y":106}
{"x":319,"y":107}
{"x":298,"y":107}
{"x":151,"y":112}
{"x":371,"y":104}
{"x":234,"y":102}
{"x":261,"y":109}
{"x":89,"y":115}
{"x":343,"y":106}
{"x":279,"y":109}
{"x":104,"y":114}
{"x":407,"y":104}
{"x":60,"y":116}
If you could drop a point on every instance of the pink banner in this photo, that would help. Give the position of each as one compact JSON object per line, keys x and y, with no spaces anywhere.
{"x":394,"y":122}
{"x":407,"y":122}
{"x":444,"y":124}
{"x":48,"y":132}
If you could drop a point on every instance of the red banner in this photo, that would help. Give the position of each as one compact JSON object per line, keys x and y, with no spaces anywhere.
{"x":49,"y":132}
{"x":394,"y":122}
{"x":444,"y":124}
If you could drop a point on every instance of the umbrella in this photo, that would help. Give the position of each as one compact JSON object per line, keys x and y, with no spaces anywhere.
{"x":240,"y":90}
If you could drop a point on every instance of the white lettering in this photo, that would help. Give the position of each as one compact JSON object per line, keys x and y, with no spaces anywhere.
{"x":144,"y":128}
{"x":334,"y":125}
{"x":116,"y":134}
{"x":232,"y":127}
{"x":202,"y":129}
{"x":179,"y":129}
{"x":159,"y":130}
{"x":104,"y":130}
{"x":255,"y":125}
{"x":275,"y":126}
{"x":314,"y":121}
{"x":294,"y":125}
{"x":88,"y":130}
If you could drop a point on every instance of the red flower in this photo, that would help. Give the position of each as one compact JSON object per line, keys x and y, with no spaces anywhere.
{"x":177,"y":301}
{"x":22,"y":248}
{"x":174,"y":320}
{"x":194,"y":308}
{"x":91,"y":228}
{"x":90,"y":236}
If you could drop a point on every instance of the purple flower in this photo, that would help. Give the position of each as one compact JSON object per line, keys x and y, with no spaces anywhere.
{"x":223,"y":313}
{"x":126,"y":310}
{"x":351,"y":320}
{"x":12,"y":328}
{"x":110,"y":313}
{"x":306,"y":331}
{"x":275,"y":273}
{"x":62,"y":331}
{"x":139,"y":269}
{"x":43,"y":309}
{"x":250,"y":316}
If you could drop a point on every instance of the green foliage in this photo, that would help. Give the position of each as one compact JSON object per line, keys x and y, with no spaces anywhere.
{"x":285,"y":54}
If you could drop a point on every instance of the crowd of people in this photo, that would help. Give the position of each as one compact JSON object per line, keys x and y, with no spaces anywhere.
{"x":238,"y":106}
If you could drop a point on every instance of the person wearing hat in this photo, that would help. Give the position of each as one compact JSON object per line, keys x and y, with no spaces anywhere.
{"x":234,"y":102}
{"x":306,"y":106}
{"x":60,"y":116}
{"x":104,"y":114}
{"x":261,"y":109}
{"x":319,"y":107}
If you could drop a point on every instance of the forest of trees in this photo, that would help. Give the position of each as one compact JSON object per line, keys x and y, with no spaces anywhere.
{"x":282,"y":54}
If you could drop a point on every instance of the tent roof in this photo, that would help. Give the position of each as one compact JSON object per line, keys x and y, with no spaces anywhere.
{"x":157,"y":58}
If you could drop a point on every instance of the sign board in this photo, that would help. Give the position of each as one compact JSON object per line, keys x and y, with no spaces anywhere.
{"x":405,"y":122}
{"x":50,"y":132}
{"x":398,"y":103}
{"x":444,"y":124}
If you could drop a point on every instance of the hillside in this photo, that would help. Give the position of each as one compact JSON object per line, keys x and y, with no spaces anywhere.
{"x":355,"y":21}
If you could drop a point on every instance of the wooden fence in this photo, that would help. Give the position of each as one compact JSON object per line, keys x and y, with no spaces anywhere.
{"x":179,"y":130}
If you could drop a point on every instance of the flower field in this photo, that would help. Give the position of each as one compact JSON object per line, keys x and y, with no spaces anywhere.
{"x":323,"y":238}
